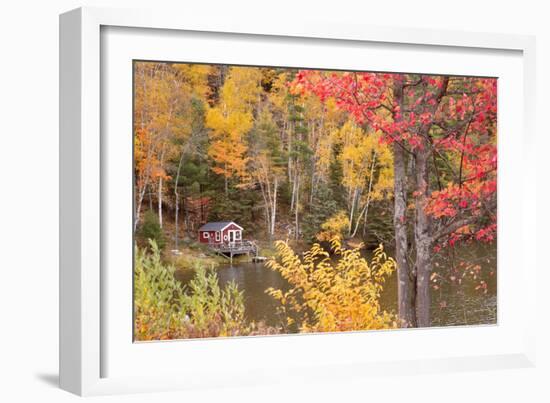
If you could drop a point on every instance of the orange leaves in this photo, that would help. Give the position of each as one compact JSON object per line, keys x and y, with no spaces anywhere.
{"x":163,"y":95}
{"x":230,"y":158}
{"x":159,"y":172}
{"x":146,"y":158}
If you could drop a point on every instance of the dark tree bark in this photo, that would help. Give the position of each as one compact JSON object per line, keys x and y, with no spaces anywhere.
{"x":422,"y":225}
{"x":405,"y":285}
{"x":422,"y":239}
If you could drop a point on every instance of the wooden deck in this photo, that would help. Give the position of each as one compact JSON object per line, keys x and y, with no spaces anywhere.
{"x":230,"y":249}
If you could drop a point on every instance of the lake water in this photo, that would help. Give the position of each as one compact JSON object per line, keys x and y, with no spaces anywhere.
{"x":453,"y":303}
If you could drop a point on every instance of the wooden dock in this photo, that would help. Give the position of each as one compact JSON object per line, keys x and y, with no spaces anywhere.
{"x":230,"y":249}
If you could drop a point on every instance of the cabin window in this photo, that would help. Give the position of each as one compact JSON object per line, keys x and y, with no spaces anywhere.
{"x":206,"y":235}
{"x":237,"y":235}
{"x":217,"y":236}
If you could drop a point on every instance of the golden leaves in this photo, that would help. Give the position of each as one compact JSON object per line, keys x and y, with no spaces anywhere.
{"x":162,"y":104}
{"x":359,"y":151}
{"x":332,"y":293}
{"x":232,"y":119}
{"x":334,"y":227}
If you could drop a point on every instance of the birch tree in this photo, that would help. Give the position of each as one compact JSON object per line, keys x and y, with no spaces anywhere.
{"x":267,"y":165}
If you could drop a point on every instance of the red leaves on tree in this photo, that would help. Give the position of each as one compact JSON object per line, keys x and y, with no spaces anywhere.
{"x":454,"y":117}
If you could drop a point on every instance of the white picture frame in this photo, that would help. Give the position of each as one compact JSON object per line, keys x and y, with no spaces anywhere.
{"x":84,"y":302}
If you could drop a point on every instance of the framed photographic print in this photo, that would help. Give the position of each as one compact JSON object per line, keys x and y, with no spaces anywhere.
{"x":241,"y":203}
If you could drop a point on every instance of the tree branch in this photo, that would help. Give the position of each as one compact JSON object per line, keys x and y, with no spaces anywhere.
{"x":455,"y":225}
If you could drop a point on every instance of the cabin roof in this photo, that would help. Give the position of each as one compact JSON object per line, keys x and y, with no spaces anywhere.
{"x":217,"y":226}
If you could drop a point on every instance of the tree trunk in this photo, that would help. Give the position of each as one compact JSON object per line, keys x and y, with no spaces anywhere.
{"x":176,"y":194}
{"x":141,"y":192}
{"x":423,"y":269}
{"x":296,"y":204}
{"x":422,"y":234}
{"x":138,"y":206}
{"x":267,"y":205}
{"x":365,"y":209}
{"x":313,"y":162}
{"x":274,"y":209}
{"x":405,"y":279}
{"x":352,"y":210}
{"x":289,"y":152}
{"x":405,"y":285}
{"x":186,"y":218}
{"x":312,"y":192}
{"x":176,"y":216}
{"x":293,"y":195}
{"x":160,"y":186}
{"x":226,"y":183}
{"x":422,"y":240}
{"x":160,"y":201}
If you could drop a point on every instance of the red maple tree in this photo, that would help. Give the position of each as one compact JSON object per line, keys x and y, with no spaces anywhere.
{"x":442,"y":131}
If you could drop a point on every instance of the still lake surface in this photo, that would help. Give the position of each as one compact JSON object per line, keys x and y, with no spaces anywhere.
{"x":453,"y":302}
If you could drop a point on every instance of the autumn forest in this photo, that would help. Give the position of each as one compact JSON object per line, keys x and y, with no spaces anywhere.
{"x":366,"y":200}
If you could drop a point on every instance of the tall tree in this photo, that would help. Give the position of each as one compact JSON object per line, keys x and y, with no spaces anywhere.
{"x":428,"y":120}
{"x":267,"y":164}
{"x":362,"y":157}
{"x":153,"y":114}
{"x":163,"y":118}
{"x":299,"y":157}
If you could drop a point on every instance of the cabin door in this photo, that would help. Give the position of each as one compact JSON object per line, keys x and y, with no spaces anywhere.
{"x":231,"y":237}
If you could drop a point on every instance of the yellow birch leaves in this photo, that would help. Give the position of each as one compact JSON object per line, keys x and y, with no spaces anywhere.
{"x":232,"y":119}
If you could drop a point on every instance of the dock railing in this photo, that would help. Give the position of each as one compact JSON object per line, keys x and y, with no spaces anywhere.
{"x":235,"y":248}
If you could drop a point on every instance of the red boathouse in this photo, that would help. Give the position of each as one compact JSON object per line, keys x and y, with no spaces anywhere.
{"x":220,"y":232}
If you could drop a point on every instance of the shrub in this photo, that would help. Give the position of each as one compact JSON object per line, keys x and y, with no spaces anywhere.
{"x":213,"y":311}
{"x":326,"y":296}
{"x":155,"y":296}
{"x":164,"y":309}
{"x":151,"y":229}
{"x":334,"y":226}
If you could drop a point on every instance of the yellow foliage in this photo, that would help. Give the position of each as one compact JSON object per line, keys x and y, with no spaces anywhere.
{"x":241,"y":89}
{"x":359,"y":151}
{"x":334,"y":227}
{"x":279,"y":92}
{"x":196,"y":75}
{"x":332,"y":294}
{"x":162,"y":101}
{"x":232,"y":119}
